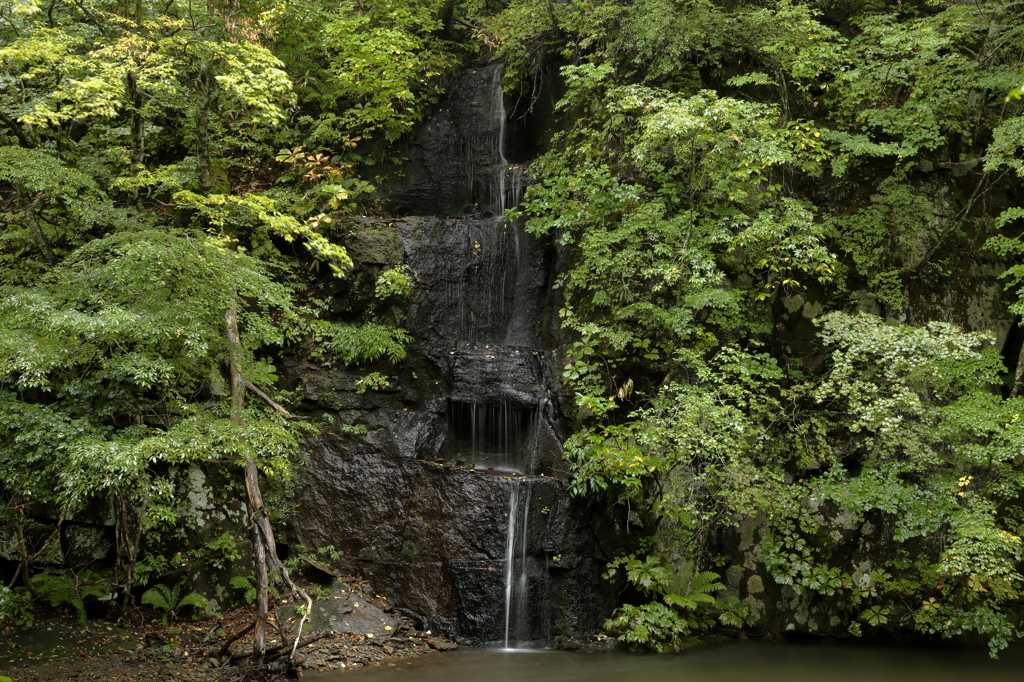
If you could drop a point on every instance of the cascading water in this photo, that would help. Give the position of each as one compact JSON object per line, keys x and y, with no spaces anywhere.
{"x":480,"y":287}
{"x":516,"y":576}
{"x":441,"y":501}
{"x":504,"y":437}
{"x":498,"y":437}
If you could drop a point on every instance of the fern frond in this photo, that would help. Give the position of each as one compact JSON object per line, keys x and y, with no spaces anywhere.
{"x":241,"y":583}
{"x":196,"y":600}
{"x":173,"y":597}
{"x":706,"y":582}
{"x":156,"y":598}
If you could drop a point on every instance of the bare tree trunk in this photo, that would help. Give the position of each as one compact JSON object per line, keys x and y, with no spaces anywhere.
{"x":1018,"y":374}
{"x":23,"y":567}
{"x":263,"y":544}
{"x":254,"y":502}
{"x":206,"y":98}
{"x":134,"y":96}
{"x":127,"y":548}
{"x":34,"y":227}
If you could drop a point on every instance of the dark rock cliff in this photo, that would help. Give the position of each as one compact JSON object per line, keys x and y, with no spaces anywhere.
{"x":415,"y":484}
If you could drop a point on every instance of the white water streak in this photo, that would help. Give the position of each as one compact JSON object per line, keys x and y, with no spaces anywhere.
{"x":513,"y":516}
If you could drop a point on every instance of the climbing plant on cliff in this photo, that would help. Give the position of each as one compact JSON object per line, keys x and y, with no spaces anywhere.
{"x":727,"y":168}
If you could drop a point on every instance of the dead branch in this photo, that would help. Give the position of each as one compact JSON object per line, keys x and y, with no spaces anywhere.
{"x":313,"y":637}
{"x":268,"y":401}
{"x":226,"y":648}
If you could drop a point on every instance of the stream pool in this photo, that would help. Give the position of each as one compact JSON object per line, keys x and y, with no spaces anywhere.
{"x":740,"y":661}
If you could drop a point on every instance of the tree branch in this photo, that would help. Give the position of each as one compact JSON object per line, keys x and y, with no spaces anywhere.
{"x":234,"y":638}
{"x":268,"y":401}
{"x":92,"y":19}
{"x":318,"y":635}
{"x":16,"y":129}
{"x":51,"y":538}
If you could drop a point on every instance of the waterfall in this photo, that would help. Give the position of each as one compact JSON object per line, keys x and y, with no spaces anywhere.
{"x":481,"y":286}
{"x":510,"y":185}
{"x":497,"y":436}
{"x":516,"y":579}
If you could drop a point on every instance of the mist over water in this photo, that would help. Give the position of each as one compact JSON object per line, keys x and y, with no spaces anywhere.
{"x":739,"y":662}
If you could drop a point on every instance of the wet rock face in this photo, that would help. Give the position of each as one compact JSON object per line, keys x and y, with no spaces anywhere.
{"x":432,"y":538}
{"x":420,"y":487}
{"x":454,"y":161}
{"x":478,"y":281}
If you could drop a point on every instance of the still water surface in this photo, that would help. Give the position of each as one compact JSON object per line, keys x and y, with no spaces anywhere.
{"x":740,"y":661}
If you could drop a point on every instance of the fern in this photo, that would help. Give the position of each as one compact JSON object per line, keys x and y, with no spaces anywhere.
{"x":70,"y":589}
{"x":685,"y":605}
{"x":159,"y":597}
{"x":166,"y":599}
{"x":357,"y":343}
{"x":247,"y":583}
{"x":200,"y":603}
{"x":688,"y":590}
{"x":243,"y":583}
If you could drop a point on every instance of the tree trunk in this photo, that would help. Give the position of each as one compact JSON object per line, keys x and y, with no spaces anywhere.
{"x":23,"y":567}
{"x":254,"y":502}
{"x":34,"y":227}
{"x":128,"y":520}
{"x":206,"y":98}
{"x":264,"y":546}
{"x":446,"y":15}
{"x":134,"y":96}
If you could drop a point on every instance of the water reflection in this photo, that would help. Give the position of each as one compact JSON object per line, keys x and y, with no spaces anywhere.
{"x":742,"y":662}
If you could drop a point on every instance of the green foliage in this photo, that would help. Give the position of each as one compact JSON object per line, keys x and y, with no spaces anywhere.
{"x":382,"y":61}
{"x":247,"y":583}
{"x":374,"y":381}
{"x":702,"y":201}
{"x":325,"y":185}
{"x":725,"y":174}
{"x":355,"y":344}
{"x":16,"y":607}
{"x":885,"y":237}
{"x":876,"y":615}
{"x":685,"y":606}
{"x":326,"y":555}
{"x":394,"y":282}
{"x":220,"y":552}
{"x":221,"y":210}
{"x":243,"y":583}
{"x":170,"y":601}
{"x":655,"y":625}
{"x":65,"y":588}
{"x":903,"y":426}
